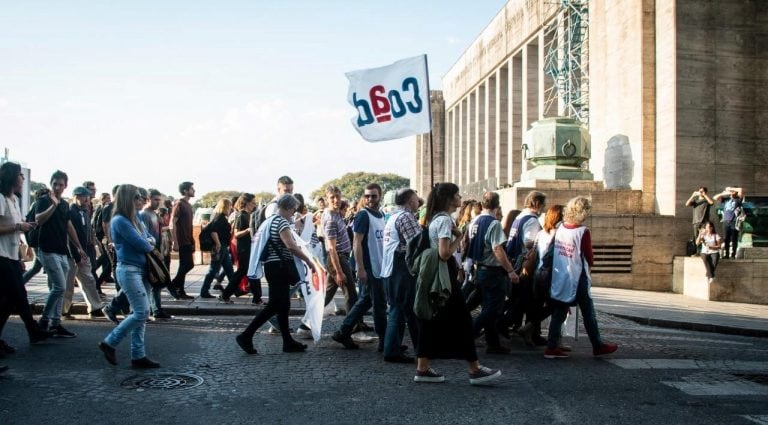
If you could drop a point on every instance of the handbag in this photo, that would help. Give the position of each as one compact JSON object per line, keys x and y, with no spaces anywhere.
{"x":542,"y":279}
{"x":157,"y":274}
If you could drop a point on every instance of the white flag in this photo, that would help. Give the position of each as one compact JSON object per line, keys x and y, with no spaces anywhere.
{"x":391,"y":101}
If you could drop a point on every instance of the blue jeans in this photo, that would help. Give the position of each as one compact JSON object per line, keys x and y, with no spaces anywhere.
{"x":492,"y":283}
{"x":560,"y":312}
{"x":400,"y":290}
{"x":223,"y":260}
{"x":134,"y":286}
{"x":371,"y":295}
{"x":56,"y":266}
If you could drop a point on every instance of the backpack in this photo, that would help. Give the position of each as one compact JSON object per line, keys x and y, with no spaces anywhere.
{"x":205,"y":239}
{"x":32,"y":236}
{"x":414,"y":247}
{"x":258,"y":217}
{"x":96,"y":222}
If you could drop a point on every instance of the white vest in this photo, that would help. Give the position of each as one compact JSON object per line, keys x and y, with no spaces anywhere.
{"x":391,"y":241}
{"x":375,"y":242}
{"x":568,"y":263}
{"x":258,"y":245}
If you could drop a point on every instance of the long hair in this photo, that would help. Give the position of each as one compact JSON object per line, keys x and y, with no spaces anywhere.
{"x":9,"y":172}
{"x":243,"y":200}
{"x":704,"y":226}
{"x":506,"y":224}
{"x":440,"y":198}
{"x":124,"y":205}
{"x":554,"y":216}
{"x":223,"y":206}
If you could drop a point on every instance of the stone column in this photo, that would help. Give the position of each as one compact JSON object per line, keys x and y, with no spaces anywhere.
{"x":501,"y":152}
{"x":480,"y":119}
{"x":470,"y":140}
{"x":491,"y":135}
{"x":516,"y":116}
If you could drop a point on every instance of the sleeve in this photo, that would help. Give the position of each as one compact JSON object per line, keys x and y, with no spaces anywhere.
{"x":145,"y":220}
{"x":530,"y":230}
{"x":407,"y":226}
{"x":131,"y":235}
{"x":444,"y":228}
{"x":330,"y":228}
{"x":361,"y":222}
{"x":586,"y":248}
{"x":495,"y":236}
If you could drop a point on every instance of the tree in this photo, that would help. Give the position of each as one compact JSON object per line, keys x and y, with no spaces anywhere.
{"x":263,"y":197}
{"x":210,"y":199}
{"x":353,"y":184}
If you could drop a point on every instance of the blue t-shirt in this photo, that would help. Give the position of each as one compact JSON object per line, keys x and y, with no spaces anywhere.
{"x":729,"y":209}
{"x":360,"y":225}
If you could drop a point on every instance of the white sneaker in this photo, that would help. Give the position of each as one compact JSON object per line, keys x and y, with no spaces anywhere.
{"x":362,"y":337}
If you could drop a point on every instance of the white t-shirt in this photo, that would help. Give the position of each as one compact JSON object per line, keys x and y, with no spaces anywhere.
{"x":711,"y":239}
{"x":10,"y":215}
{"x":439,"y":228}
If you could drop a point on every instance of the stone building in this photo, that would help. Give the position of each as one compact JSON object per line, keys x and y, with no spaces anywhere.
{"x":673,"y":94}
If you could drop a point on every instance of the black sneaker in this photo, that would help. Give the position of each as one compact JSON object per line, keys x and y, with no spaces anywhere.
{"x":110,"y":314}
{"x":246,"y":344}
{"x":96,"y":313}
{"x":399,"y":359}
{"x":162,"y":315}
{"x":39,"y":335}
{"x":346,"y":341}
{"x":42,"y":324}
{"x":60,"y":332}
{"x":144,"y":363}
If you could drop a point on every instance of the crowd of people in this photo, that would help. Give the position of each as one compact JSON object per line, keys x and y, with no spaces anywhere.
{"x":420,"y":266}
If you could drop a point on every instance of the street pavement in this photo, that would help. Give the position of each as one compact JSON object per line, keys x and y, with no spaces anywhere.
{"x":664,"y":374}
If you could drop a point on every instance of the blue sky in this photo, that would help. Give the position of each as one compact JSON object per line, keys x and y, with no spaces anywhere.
{"x":227,"y":94}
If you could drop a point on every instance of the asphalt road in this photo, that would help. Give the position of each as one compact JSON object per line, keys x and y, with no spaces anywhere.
{"x":658,"y":376}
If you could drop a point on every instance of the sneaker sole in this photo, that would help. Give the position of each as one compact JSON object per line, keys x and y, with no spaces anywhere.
{"x":428,"y":379}
{"x":553,"y":356}
{"x":485,"y":379}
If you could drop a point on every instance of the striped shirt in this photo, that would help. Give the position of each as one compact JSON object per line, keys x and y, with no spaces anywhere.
{"x":334,"y":227}
{"x":276,"y":249}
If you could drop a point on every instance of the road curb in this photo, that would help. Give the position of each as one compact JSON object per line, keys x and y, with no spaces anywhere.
{"x":700,"y":327}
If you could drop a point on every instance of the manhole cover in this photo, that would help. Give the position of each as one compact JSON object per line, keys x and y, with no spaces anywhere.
{"x":757,"y":378}
{"x":162,"y":381}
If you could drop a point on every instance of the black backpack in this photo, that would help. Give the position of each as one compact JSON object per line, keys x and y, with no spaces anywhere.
{"x":205,"y":239}
{"x":32,"y":236}
{"x":414,"y":247}
{"x":258,"y":217}
{"x":96,"y":222}
{"x":542,"y":278}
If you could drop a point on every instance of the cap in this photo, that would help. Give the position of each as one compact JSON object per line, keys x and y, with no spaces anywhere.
{"x":81,"y":191}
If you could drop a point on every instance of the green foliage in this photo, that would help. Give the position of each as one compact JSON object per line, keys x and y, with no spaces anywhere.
{"x":353,"y":184}
{"x":210,"y":199}
{"x":263,"y":197}
{"x":35,"y":186}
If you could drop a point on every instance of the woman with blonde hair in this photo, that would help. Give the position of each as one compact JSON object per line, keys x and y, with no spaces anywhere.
{"x":571,"y":279}
{"x":132,"y":243}
{"x":221,"y":234}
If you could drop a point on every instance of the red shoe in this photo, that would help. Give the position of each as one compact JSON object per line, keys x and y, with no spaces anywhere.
{"x":606,"y":348}
{"x":555,"y":353}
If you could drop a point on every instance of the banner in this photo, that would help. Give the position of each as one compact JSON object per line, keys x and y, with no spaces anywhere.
{"x":392,"y":101}
{"x":312,"y":287}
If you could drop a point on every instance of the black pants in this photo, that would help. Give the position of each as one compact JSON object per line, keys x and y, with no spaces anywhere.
{"x":710,"y":262}
{"x":280,"y":276}
{"x":186,"y":263}
{"x":13,"y":295}
{"x":243,"y":261}
{"x":731,"y":240}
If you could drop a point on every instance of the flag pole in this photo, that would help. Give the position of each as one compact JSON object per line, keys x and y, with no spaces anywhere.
{"x":431,"y":145}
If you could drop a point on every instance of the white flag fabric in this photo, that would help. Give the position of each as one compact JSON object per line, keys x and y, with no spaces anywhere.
{"x":312,"y":288}
{"x":392,"y":101}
